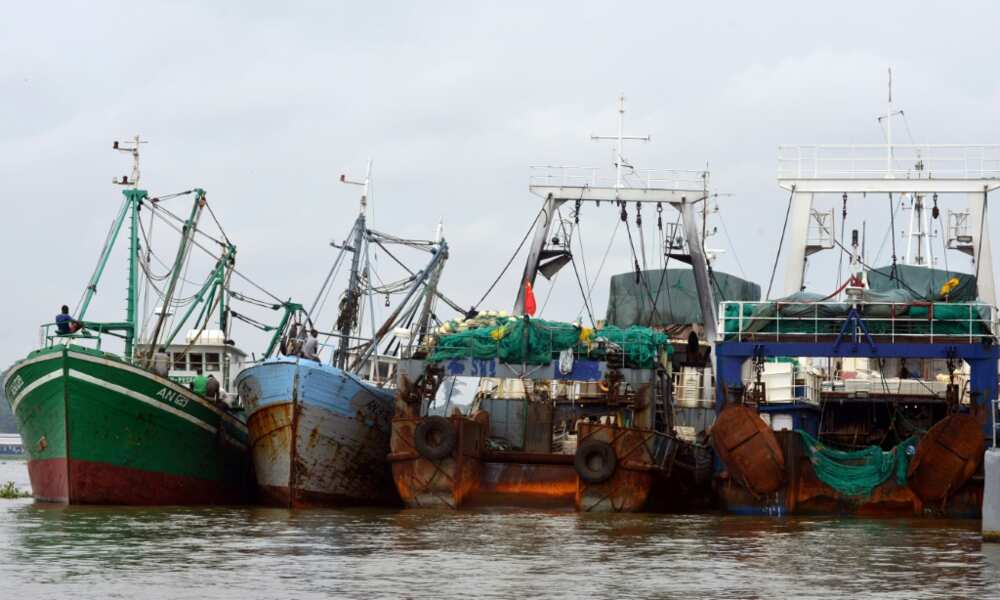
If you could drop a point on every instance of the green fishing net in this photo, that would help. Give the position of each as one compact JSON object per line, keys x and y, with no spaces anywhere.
{"x":537,"y":341}
{"x":858,"y":472}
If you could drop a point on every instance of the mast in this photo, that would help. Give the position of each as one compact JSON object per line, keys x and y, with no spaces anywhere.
{"x":133,"y":200}
{"x":888,"y":132}
{"x":548,"y":216}
{"x":619,"y":139}
{"x":347,"y":314}
{"x":185,"y":245}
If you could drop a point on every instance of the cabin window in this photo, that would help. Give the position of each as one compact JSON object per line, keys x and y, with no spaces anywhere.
{"x":180,"y":361}
{"x":212,"y":361}
{"x":195,"y":361}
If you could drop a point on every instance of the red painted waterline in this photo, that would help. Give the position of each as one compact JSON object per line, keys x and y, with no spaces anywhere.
{"x":86,"y":482}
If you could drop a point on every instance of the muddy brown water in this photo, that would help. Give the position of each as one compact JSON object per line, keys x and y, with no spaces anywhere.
{"x":249,"y":553}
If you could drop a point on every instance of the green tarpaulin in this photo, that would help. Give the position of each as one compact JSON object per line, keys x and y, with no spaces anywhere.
{"x":675,"y":295}
{"x":925,"y":283}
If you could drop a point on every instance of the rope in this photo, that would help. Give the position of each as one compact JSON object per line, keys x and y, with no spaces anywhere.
{"x":781,"y":242}
{"x":511,"y":260}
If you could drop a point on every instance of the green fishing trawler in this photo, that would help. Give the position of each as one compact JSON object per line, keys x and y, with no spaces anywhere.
{"x":106,"y":428}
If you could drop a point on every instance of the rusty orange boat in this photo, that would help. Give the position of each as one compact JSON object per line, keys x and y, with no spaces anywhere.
{"x":592,"y":438}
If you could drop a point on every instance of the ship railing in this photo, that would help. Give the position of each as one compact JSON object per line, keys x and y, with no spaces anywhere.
{"x":49,"y":335}
{"x":788,"y":393}
{"x":884,"y":322}
{"x":871,"y":161}
{"x":693,"y":387}
{"x":598,"y":177}
{"x":872,"y":386}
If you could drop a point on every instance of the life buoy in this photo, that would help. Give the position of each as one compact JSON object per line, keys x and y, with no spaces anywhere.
{"x":595,"y":461}
{"x":603,"y":386}
{"x":434,"y":438}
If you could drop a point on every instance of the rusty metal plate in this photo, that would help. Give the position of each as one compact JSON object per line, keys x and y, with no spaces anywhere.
{"x":748,"y":448}
{"x":947,"y":456}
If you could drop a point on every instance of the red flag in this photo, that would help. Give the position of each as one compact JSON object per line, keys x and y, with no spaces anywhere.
{"x":529,"y":299}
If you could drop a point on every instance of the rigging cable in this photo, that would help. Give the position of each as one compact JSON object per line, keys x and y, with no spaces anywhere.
{"x":236,"y":272}
{"x":892,"y":229}
{"x":979,"y":249}
{"x":583,"y":256}
{"x":451,"y":303}
{"x":663,"y":275}
{"x":104,"y":247}
{"x":917,"y":295}
{"x":736,"y":255}
{"x":579,"y":283}
{"x":511,"y":260}
{"x":604,"y":259}
{"x":640,"y":278}
{"x":885,"y":238}
{"x":781,"y":242}
{"x":843,"y":228}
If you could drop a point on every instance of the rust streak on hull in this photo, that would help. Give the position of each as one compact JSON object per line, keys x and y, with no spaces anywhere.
{"x":806,"y":494}
{"x":748,"y":448}
{"x":473,"y":477}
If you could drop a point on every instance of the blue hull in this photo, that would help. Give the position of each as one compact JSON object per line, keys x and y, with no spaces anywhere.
{"x":319,"y":435}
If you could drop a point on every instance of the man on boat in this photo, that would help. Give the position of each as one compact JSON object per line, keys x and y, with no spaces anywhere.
{"x":65,"y":323}
{"x":199,"y":384}
{"x":292,"y":345}
{"x":310,"y":349}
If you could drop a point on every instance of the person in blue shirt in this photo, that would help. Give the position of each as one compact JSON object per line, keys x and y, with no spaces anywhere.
{"x":65,"y":323}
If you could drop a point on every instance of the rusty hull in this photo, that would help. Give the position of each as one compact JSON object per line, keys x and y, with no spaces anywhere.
{"x":748,"y":448}
{"x":444,"y":483}
{"x":806,"y":494}
{"x":948,"y":455}
{"x":475,"y":477}
{"x":628,"y":489}
{"x":308,"y":457}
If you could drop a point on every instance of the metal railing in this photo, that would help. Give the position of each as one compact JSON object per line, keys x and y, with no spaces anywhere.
{"x":885,"y":321}
{"x":596,"y":177}
{"x":693,"y":387}
{"x":909,"y":161}
{"x":49,"y":335}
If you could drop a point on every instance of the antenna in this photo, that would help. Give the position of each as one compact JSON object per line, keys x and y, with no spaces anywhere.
{"x":366,"y":185}
{"x":888,"y":130}
{"x":620,"y":138}
{"x":133,"y":148}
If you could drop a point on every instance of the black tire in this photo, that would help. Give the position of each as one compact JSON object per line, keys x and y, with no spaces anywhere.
{"x":434,"y":438}
{"x":595,"y":461}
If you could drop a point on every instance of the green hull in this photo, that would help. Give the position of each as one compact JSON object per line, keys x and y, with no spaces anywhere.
{"x":99,"y":431}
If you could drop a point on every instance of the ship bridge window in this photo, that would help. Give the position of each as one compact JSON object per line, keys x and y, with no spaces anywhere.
{"x":195,"y":361}
{"x":212,"y":361}
{"x":180,"y":361}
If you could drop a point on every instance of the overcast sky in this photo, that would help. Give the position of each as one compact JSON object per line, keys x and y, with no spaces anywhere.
{"x":264,"y":104}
